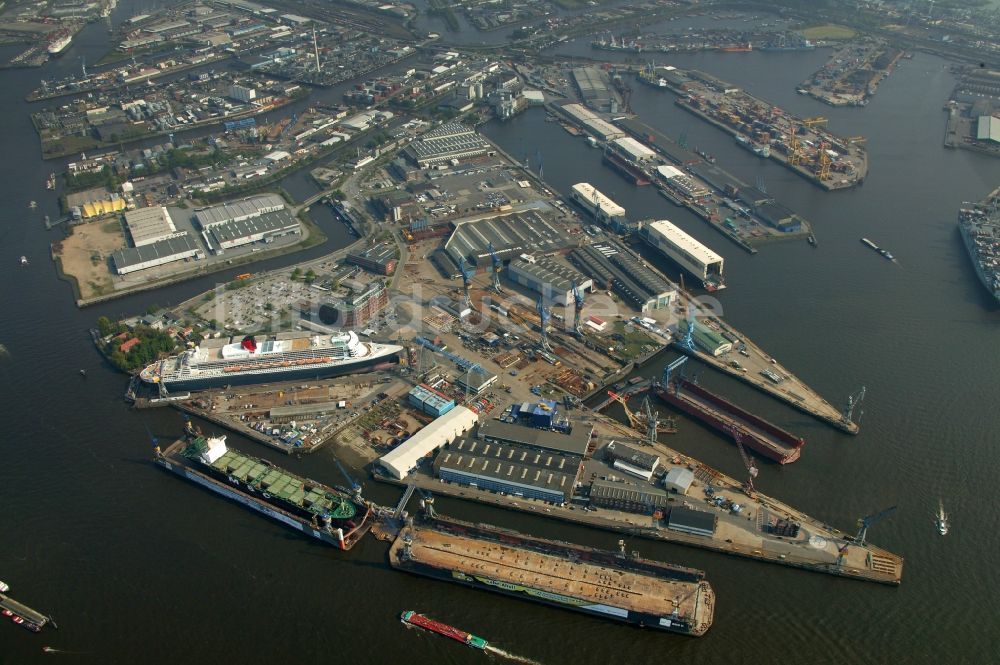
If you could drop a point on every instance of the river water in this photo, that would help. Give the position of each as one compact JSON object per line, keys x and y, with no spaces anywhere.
{"x":138,"y":566}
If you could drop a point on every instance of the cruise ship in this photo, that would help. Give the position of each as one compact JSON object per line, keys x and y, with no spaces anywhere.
{"x":981,"y":234}
{"x":281,"y":357}
{"x":59,"y":44}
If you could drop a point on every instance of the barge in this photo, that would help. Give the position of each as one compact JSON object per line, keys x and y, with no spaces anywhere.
{"x":330,"y":515}
{"x":605,"y":584}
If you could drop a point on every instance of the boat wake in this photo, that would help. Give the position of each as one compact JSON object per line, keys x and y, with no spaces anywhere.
{"x":511,"y":656}
{"x":54,"y":650}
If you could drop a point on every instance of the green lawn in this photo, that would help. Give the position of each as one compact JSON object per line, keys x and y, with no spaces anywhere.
{"x":828,"y":31}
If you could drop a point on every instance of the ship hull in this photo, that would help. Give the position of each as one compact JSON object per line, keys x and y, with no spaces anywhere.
{"x":259,"y":505}
{"x":278,"y":374}
{"x":970,"y":249}
{"x":605,"y":611}
{"x":629,"y":171}
{"x":732,"y":415}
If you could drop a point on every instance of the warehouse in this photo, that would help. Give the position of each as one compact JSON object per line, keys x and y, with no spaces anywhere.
{"x":614,"y":266}
{"x":475,"y":381}
{"x":678,"y":480}
{"x":510,"y":469}
{"x":628,"y":459}
{"x":155,"y":254}
{"x":402,"y":459}
{"x":633,"y":150}
{"x":452,"y":140}
{"x":235,"y":211}
{"x":264,"y":228}
{"x":691,"y":521}
{"x":511,"y":235}
{"x":592,"y":122}
{"x":682,"y":182}
{"x":988,"y":129}
{"x":285,"y":414}
{"x":705,"y":338}
{"x":574,"y":443}
{"x":597,"y":204}
{"x":430,"y":401}
{"x":545,"y":276}
{"x":379,"y":259}
{"x":687,"y":252}
{"x":627,"y":496}
{"x":149,"y":225}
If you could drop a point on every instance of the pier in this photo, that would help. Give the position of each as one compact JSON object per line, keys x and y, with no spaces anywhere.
{"x":21,"y":610}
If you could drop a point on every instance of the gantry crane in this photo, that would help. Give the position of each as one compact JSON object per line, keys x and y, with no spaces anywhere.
{"x":812,"y":122}
{"x":640,"y":421}
{"x":870,"y":520}
{"x":543,"y":321}
{"x":794,"y":147}
{"x":467,"y":274}
{"x":823,"y":161}
{"x":497,"y":267}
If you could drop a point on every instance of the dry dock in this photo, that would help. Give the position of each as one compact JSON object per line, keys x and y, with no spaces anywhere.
{"x":625,"y":588}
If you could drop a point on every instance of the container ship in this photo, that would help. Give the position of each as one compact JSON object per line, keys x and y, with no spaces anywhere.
{"x":327,"y":514}
{"x":282,"y":357}
{"x":601,"y":583}
{"x":411,"y":618}
{"x":981,"y":235}
{"x":757,"y":434}
{"x":626,"y":168}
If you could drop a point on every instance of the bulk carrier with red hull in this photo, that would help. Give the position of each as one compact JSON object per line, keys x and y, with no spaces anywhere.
{"x":761,"y":436}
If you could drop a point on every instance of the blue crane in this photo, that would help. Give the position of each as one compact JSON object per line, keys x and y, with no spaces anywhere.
{"x":295,"y":118}
{"x":467,"y":274}
{"x":870,"y":520}
{"x":354,"y":485}
{"x":543,"y":318}
{"x":497,"y":267}
{"x":578,"y":311}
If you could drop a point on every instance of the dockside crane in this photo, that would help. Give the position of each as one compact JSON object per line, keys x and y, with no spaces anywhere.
{"x":497,"y":267}
{"x":467,"y":274}
{"x":852,"y":403}
{"x":868,"y":521}
{"x":577,"y":310}
{"x":823,"y":161}
{"x":748,"y":487}
{"x":652,"y":421}
{"x":543,"y":319}
{"x":351,"y":482}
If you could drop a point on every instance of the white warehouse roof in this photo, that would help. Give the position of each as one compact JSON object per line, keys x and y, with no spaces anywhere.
{"x":667,"y":172}
{"x":675,"y":236}
{"x":634,"y":149}
{"x":403,"y":458}
{"x":588,"y":193}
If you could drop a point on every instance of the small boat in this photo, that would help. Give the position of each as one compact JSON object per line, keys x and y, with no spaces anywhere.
{"x":24,"y":260}
{"x":32,"y":205}
{"x":4,"y":587}
{"x":812,"y":240}
{"x":83,"y":372}
{"x":942,"y":519}
{"x":411,"y":618}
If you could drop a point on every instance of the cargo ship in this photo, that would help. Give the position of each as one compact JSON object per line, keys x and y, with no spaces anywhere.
{"x":324,"y":513}
{"x":282,"y":357}
{"x":626,"y":168}
{"x":737,"y":48}
{"x":981,"y":235}
{"x":884,"y":252}
{"x":597,"y":582}
{"x":757,"y":434}
{"x":411,"y":618}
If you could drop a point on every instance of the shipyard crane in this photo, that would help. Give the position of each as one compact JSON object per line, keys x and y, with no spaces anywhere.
{"x":353,"y":484}
{"x":794,"y":150}
{"x":852,"y":403}
{"x":577,"y":310}
{"x":543,"y":321}
{"x":467,"y":274}
{"x":748,"y":487}
{"x":870,"y":520}
{"x":497,"y":266}
{"x":284,"y":130}
{"x":823,"y":161}
{"x":640,"y":421}
{"x":813,"y":122}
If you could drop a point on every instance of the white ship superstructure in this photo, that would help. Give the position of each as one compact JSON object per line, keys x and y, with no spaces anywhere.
{"x":285,"y":356}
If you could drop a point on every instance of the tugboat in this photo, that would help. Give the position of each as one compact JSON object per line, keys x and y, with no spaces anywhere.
{"x":24,"y":260}
{"x":942,"y":519}
{"x":812,"y":240}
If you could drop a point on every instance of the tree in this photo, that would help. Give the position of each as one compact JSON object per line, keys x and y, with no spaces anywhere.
{"x":310,"y":276}
{"x":105,"y":326}
{"x":296,"y":273}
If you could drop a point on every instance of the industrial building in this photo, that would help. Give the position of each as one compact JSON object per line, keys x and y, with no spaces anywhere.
{"x":988,"y":129}
{"x":149,"y":225}
{"x":593,"y":123}
{"x":452,"y":140}
{"x":682,"y":183}
{"x":705,"y":338}
{"x":545,"y":276}
{"x":602,"y":208}
{"x":574,"y":443}
{"x":511,"y":469}
{"x":687,"y":252}
{"x":356,"y":309}
{"x":430,"y":401}
{"x":234,"y":211}
{"x":511,"y":234}
{"x":402,"y":459}
{"x":627,"y":496}
{"x":695,"y":522}
{"x":630,"y":460}
{"x":94,"y":203}
{"x":475,"y":380}
{"x":614,"y":266}
{"x":678,"y":480}
{"x":543,"y":414}
{"x":595,"y":88}
{"x":177,"y":248}
{"x":632,"y":150}
{"x":379,"y":259}
{"x":288,"y":413}
{"x":265,"y":228}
